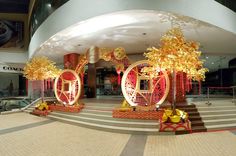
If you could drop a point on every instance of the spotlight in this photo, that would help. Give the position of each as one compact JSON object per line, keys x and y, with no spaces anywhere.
{"x":49,"y":5}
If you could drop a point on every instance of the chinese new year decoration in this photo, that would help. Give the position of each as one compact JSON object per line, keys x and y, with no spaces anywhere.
{"x":176,"y":54}
{"x":41,"y":68}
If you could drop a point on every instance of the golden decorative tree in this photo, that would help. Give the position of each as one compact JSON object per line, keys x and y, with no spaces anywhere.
{"x":175,"y":54}
{"x":41,"y":68}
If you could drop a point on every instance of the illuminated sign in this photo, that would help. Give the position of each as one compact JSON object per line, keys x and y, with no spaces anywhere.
{"x":11,"y":68}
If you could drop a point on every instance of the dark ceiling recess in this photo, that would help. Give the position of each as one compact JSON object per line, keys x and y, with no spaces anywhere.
{"x":231,"y":4}
{"x":14,"y":6}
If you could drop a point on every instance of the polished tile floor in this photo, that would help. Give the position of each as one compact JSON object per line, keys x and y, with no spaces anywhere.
{"x":22,"y":134}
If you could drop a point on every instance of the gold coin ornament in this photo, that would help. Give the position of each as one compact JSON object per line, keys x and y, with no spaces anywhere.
{"x":119,"y":53}
{"x":141,"y":88}
{"x":67,"y":87}
{"x":106,"y":56}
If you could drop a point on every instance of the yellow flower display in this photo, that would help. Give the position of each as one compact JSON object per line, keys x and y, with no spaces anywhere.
{"x":179,"y":115}
{"x":175,"y":53}
{"x":40,"y":68}
{"x":42,"y":106}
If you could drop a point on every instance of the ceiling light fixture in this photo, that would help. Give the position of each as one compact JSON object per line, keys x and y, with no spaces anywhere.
{"x":49,"y":5}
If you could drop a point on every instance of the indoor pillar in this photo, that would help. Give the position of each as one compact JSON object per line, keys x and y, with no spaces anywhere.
{"x":91,"y":92}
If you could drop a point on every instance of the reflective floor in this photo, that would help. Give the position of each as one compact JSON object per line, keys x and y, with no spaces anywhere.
{"x":23,"y":134}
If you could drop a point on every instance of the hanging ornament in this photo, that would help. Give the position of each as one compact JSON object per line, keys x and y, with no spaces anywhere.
{"x":118,"y":77}
{"x":119,"y":53}
{"x":119,"y":69}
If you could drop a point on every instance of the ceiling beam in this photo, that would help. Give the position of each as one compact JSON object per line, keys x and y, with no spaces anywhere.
{"x":13,"y":16}
{"x":31,"y":7}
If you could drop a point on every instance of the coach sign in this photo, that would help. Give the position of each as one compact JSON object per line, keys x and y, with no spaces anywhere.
{"x":11,"y":68}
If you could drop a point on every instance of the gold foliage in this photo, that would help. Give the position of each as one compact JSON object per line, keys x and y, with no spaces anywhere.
{"x":40,"y":68}
{"x":175,"y":53}
{"x":105,"y":53}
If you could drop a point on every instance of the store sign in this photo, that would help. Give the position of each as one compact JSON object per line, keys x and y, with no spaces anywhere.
{"x":11,"y":68}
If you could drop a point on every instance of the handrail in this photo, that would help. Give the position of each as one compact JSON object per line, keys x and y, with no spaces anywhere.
{"x":233,"y":100}
{"x":35,"y":101}
{"x":32,"y":103}
{"x":24,"y":108}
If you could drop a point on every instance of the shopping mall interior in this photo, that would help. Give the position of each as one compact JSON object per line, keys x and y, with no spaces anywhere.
{"x":117,"y":77}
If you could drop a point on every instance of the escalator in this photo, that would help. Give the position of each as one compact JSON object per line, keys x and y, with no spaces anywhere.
{"x":12,"y":103}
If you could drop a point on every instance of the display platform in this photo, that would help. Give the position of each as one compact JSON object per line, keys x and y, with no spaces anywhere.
{"x":72,"y":109}
{"x":130,"y":114}
{"x":40,"y":112}
{"x":174,"y":127}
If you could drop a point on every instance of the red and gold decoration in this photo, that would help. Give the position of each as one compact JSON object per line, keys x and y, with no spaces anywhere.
{"x":68,"y":84}
{"x":173,"y":127}
{"x":148,"y":115}
{"x":179,"y":116}
{"x":68,"y":87}
{"x":177,"y":122}
{"x":73,"y":109}
{"x":177,"y":55}
{"x":41,"y":109}
{"x":41,"y":68}
{"x":144,"y":88}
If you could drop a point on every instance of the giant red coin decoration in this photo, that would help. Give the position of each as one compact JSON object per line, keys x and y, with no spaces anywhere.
{"x":141,"y":89}
{"x":67,"y":87}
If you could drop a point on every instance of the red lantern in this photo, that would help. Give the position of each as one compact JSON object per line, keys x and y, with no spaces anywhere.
{"x":118,"y":72}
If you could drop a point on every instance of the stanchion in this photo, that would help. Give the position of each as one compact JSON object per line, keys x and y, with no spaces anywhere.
{"x":233,"y":100}
{"x":208,"y":93}
{"x":208,"y":97}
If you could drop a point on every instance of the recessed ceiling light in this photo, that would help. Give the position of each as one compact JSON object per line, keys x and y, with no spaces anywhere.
{"x":144,"y":33}
{"x":212,"y":63}
{"x":49,"y":5}
{"x":207,"y":57}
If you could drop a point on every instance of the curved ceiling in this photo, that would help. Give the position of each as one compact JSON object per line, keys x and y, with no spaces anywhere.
{"x":135,"y":30}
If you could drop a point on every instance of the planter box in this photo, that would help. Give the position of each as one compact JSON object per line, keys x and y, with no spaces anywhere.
{"x":151,"y":115}
{"x":173,"y":127}
{"x":62,"y":108}
{"x":40,"y":112}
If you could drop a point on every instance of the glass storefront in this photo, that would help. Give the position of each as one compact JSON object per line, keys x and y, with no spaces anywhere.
{"x":106,"y":82}
{"x":12,"y":85}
